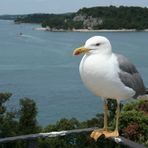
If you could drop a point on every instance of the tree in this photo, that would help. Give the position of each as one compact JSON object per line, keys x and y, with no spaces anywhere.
{"x":10,"y":125}
{"x":8,"y":122}
{"x":27,"y":121}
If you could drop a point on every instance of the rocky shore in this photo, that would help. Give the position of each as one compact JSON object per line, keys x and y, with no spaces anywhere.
{"x":88,"y":30}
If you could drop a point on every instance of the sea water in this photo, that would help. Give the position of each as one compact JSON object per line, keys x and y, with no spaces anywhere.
{"x":40,"y":65}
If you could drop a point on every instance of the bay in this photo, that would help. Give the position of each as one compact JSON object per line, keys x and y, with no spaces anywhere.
{"x":40,"y":65}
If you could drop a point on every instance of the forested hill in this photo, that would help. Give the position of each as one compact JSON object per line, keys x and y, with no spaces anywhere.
{"x":93,"y":18}
{"x":10,"y":17}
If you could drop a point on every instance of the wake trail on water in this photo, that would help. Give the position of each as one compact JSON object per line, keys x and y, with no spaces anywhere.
{"x":30,"y":37}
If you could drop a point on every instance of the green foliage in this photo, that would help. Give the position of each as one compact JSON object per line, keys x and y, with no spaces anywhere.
{"x":32,"y":18}
{"x":112,"y":18}
{"x":27,"y":120}
{"x":4,"y":97}
{"x":119,"y":17}
{"x":133,"y":125}
{"x":94,"y":122}
{"x":134,"y":121}
{"x":8,"y":124}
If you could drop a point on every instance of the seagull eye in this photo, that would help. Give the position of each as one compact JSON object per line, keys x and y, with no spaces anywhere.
{"x":97,"y":44}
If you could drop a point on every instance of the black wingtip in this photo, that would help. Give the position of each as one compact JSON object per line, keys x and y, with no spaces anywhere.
{"x":147,"y":91}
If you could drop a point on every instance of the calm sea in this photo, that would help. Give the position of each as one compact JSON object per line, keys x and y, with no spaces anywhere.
{"x":40,"y":65}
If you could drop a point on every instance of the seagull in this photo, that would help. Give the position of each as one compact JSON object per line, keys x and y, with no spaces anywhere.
{"x":108,"y":75}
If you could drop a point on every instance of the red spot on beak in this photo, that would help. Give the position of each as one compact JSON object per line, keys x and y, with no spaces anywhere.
{"x":77,"y":53}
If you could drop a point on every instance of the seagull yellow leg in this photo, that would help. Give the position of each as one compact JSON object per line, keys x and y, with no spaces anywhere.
{"x":97,"y":133}
{"x":115,"y":133}
{"x":105,"y":115}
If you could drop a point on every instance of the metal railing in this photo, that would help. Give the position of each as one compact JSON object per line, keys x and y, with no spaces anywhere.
{"x":32,"y":138}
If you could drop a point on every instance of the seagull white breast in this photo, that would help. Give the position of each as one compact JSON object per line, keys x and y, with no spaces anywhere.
{"x":99,"y":73}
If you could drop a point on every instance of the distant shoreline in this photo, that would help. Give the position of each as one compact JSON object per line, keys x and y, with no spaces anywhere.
{"x":89,"y":30}
{"x":108,"y":30}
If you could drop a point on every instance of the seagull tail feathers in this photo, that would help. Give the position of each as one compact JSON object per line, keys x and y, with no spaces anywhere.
{"x":145,"y":96}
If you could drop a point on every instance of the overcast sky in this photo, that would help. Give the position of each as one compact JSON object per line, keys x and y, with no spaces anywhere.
{"x":60,"y":6}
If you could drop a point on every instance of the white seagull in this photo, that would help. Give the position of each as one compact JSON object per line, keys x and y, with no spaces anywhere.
{"x":108,"y":75}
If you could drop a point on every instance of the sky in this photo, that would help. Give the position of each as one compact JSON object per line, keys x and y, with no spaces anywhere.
{"x":60,"y":6}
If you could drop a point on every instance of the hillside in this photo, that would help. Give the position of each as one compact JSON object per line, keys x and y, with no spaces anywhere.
{"x":11,"y":17}
{"x":93,"y":18}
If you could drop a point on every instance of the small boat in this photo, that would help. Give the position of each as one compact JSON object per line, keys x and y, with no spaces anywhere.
{"x":21,"y":33}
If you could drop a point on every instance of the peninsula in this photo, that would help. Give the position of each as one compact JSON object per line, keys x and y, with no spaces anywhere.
{"x":95,"y":18}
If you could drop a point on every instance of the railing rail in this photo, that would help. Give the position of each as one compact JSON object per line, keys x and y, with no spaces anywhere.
{"x":32,"y":138}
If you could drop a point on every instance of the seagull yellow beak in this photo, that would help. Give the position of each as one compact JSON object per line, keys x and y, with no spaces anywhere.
{"x":80,"y":50}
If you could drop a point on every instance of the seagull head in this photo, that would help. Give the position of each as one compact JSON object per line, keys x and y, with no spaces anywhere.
{"x":95,"y":44}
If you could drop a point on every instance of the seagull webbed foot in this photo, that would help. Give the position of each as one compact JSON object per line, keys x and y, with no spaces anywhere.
{"x":110,"y":134}
{"x":96,"y":134}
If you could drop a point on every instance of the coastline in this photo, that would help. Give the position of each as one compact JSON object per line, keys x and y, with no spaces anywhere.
{"x":89,"y":30}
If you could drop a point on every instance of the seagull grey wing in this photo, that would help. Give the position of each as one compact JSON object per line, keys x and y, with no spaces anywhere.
{"x":130,"y":76}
